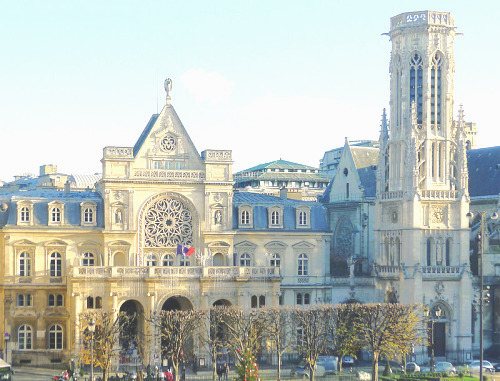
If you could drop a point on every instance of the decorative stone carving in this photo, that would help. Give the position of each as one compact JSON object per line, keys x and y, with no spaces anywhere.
{"x":168,"y":222}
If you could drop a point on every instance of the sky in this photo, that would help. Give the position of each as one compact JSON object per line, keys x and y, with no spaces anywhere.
{"x":266,"y":79}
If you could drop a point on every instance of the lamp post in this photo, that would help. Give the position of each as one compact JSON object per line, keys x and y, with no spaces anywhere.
{"x":432,"y":317}
{"x":470,"y":216}
{"x":92,"y":330}
{"x":6,"y":339}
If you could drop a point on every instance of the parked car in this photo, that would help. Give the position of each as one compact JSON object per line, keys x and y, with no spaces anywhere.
{"x":348,"y":360}
{"x":412,"y":367}
{"x":446,"y":367}
{"x":325,"y":366}
{"x":497,"y":367}
{"x":487,"y":366}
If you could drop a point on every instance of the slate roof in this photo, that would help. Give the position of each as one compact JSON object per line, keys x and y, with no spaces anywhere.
{"x":484,"y":171}
{"x":41,"y":199}
{"x":260,"y":203}
{"x":368,"y":178}
{"x":364,"y":156}
{"x":145,"y":133}
{"x":277,"y":164}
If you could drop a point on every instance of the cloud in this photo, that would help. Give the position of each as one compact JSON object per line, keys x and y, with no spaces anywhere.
{"x":207,"y":86}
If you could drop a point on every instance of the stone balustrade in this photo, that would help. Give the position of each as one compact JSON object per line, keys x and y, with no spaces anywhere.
{"x":422,"y":18}
{"x":151,"y":272}
{"x":439,"y":195}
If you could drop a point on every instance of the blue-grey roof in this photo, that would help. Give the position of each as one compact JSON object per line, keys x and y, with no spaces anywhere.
{"x":41,"y":199}
{"x":484,"y":171}
{"x":368,"y":178}
{"x":278,"y":164}
{"x":260,"y":203}
{"x":145,"y":133}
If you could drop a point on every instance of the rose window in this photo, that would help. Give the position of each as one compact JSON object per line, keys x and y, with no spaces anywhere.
{"x":167,"y":223}
{"x":167,"y":143}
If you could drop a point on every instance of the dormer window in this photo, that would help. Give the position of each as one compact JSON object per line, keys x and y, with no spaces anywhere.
{"x":303,"y":217}
{"x":245,"y":216}
{"x":56,"y":213}
{"x":275,"y":217}
{"x":25,"y":213}
{"x":88,"y":211}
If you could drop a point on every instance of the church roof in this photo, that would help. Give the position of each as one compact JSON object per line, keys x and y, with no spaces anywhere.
{"x":368,"y":178}
{"x":364,"y":156}
{"x":484,"y":171}
{"x":145,"y":133}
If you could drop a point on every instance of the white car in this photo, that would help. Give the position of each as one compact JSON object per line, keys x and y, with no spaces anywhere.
{"x":487,"y":366}
{"x":412,"y":367}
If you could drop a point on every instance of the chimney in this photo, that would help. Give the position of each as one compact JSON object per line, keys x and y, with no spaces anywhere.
{"x":283,"y":193}
{"x":67,"y":187}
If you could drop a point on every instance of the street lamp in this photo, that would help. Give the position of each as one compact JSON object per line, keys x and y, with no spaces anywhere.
{"x":432,"y":317}
{"x":92,"y":330}
{"x":470,"y":216}
{"x":6,"y":339}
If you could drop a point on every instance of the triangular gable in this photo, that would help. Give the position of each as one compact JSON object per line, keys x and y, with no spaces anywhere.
{"x":166,"y":140}
{"x":24,"y":242}
{"x":275,"y":245}
{"x":56,"y":242}
{"x":302,"y":245}
{"x":245,"y":245}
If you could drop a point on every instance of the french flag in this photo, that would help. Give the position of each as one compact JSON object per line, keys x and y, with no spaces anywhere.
{"x":184,"y":250}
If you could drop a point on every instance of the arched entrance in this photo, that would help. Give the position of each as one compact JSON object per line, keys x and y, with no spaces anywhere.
{"x":133,"y":333}
{"x":218,"y":259}
{"x":177,"y":303}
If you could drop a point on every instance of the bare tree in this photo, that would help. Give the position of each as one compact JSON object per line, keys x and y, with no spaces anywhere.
{"x":109,"y":330}
{"x":176,"y":330}
{"x":213,"y":335}
{"x":343,"y":328}
{"x":312,"y":336}
{"x":245,"y":330}
{"x":388,"y":330}
{"x":279,"y":330}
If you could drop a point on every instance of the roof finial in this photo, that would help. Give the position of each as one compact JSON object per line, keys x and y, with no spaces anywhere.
{"x":461,"y":114}
{"x":384,"y":131}
{"x":168,"y":89}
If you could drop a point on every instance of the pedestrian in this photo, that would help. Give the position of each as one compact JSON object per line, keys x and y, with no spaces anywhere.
{"x":226,"y":371}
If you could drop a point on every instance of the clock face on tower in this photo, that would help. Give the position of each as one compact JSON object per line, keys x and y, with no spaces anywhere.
{"x":437,"y":214}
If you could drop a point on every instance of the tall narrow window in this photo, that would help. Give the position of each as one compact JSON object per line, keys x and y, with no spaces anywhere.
{"x":55,"y":264}
{"x":307,"y":298}
{"x":397,"y":89}
{"x":262,"y":301}
{"x":245,"y":217}
{"x":24,"y":264}
{"x":429,"y":246}
{"x":416,"y":84}
{"x":433,"y":158}
{"x":347,"y":190}
{"x":52,"y":300}
{"x":254,"y":301}
{"x":24,"y":336}
{"x":303,"y":265}
{"x":302,"y":218}
{"x":299,"y":299}
{"x":275,"y":218}
{"x":55,"y":215}
{"x":88,"y":215}
{"x":56,"y":337}
{"x":436,"y":90}
{"x":25,"y":214}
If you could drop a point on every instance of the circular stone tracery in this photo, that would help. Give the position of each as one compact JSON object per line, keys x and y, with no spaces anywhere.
{"x":168,"y":143}
{"x":168,"y":222}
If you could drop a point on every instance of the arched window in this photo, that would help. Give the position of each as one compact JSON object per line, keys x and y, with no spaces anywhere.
{"x":448,"y":250}
{"x":245,"y":217}
{"x":262,"y":301}
{"x":52,"y":300}
{"x":275,"y":217}
{"x":307,"y":298}
{"x":429,"y":249}
{"x":299,"y":299}
{"x":56,"y":337}
{"x":391,"y":252}
{"x":416,"y":84}
{"x":25,"y":214}
{"x":254,"y":301}
{"x":88,"y":215}
{"x":151,"y":260}
{"x":55,"y":215}
{"x":397,"y":258}
{"x":59,"y":300}
{"x":24,"y":338}
{"x":88,"y":259}
{"x":303,"y":265}
{"x":436,"y":67}
{"x":90,"y":302}
{"x":55,"y":264}
{"x":245,"y":260}
{"x":24,"y":264}
{"x":303,"y":218}
{"x":386,"y":250}
{"x":24,"y":300}
{"x":98,"y":302}
{"x":397,"y":89}
{"x":168,"y":260}
{"x":275,"y":260}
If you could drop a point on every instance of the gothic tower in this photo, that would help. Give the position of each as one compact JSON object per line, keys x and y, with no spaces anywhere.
{"x":421,"y":233}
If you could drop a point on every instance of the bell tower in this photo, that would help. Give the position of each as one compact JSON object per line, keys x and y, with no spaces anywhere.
{"x":421,"y":231}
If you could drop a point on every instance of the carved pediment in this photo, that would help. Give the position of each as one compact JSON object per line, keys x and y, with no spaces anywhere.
{"x":219,"y":244}
{"x":245,"y":246}
{"x":275,"y":245}
{"x":303,"y":245}
{"x":56,"y":242}
{"x":88,"y":244}
{"x":24,"y":242}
